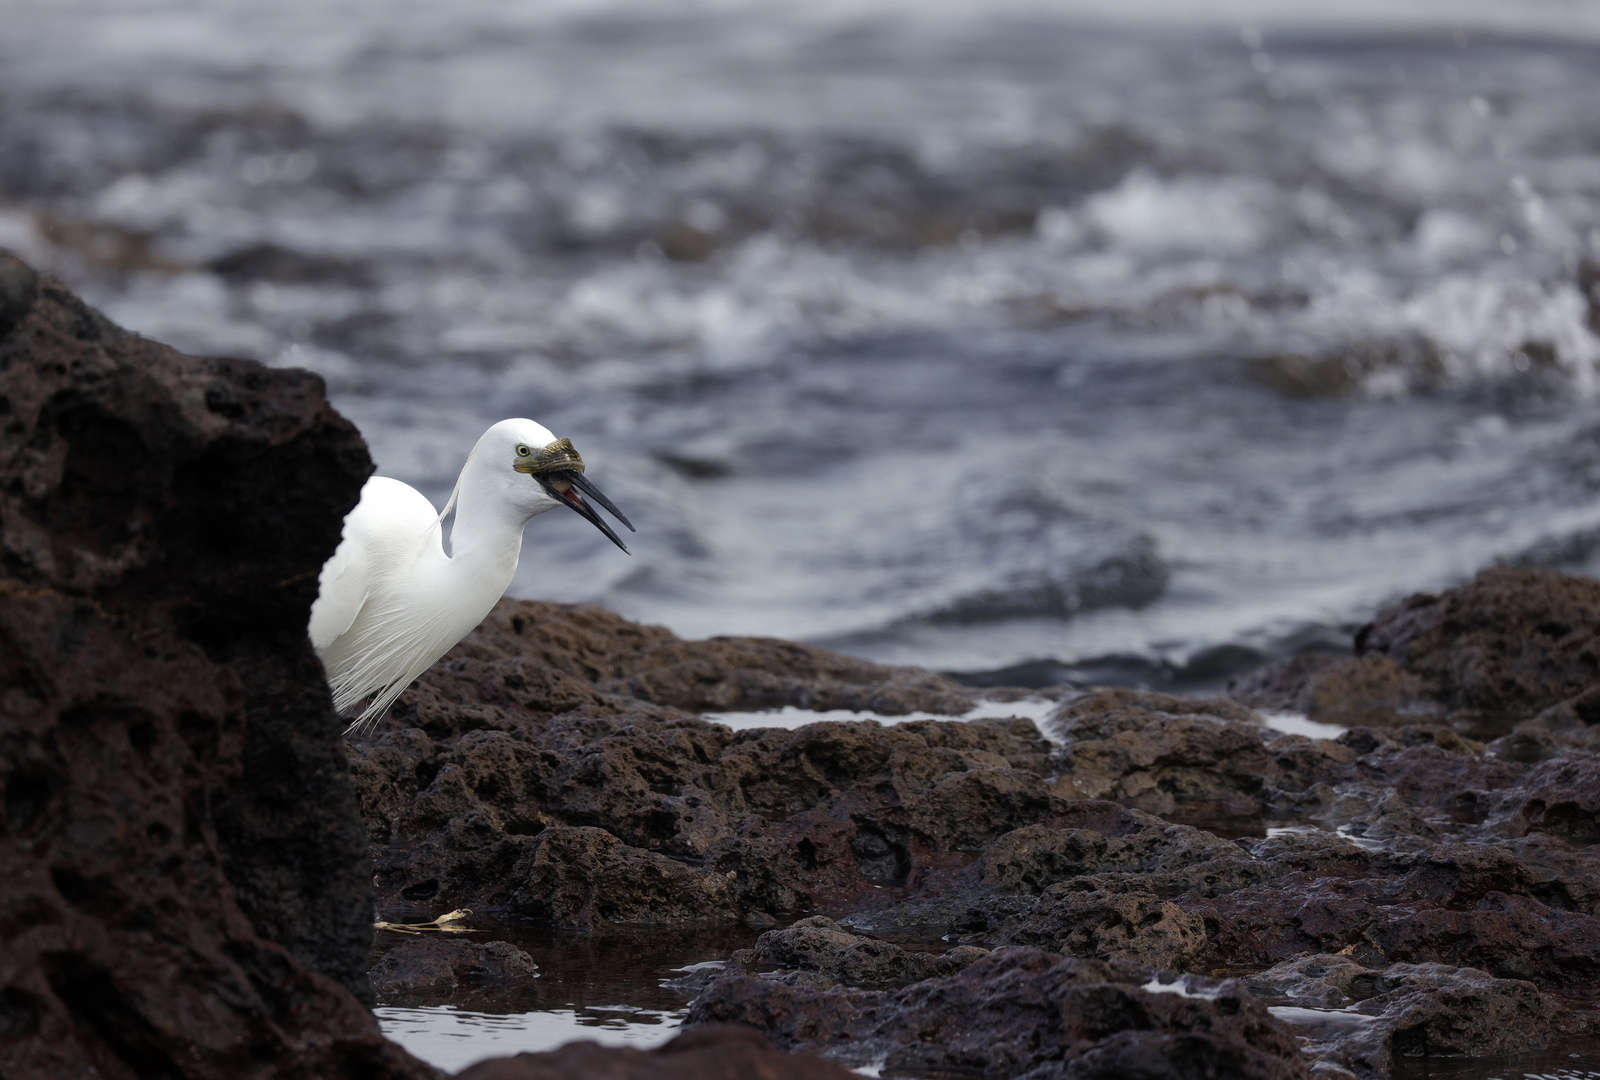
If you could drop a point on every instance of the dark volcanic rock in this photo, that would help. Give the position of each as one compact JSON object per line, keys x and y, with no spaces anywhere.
{"x":1372,"y":691}
{"x":576,"y":876}
{"x":647,"y":815}
{"x":526,"y":778}
{"x":1021,"y":1013}
{"x":1432,"y":1010}
{"x":1470,"y":906}
{"x":545,"y":768}
{"x":1560,"y":797}
{"x":1114,"y":924}
{"x":1315,"y":980}
{"x":1499,"y":650}
{"x":1184,"y":759}
{"x":1509,"y":644}
{"x":1552,"y":733}
{"x":430,"y":963}
{"x":716,"y":1052}
{"x":533,"y":659}
{"x":824,"y":954}
{"x":1167,"y":859}
{"x":176,"y":795}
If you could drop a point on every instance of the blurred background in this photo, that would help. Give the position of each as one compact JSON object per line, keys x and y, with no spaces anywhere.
{"x":1125,"y":341}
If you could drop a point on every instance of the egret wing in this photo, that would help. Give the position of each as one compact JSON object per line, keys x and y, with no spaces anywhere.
{"x":342,"y":588}
{"x":388,"y":514}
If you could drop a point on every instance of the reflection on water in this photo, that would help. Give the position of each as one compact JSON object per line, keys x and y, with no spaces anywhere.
{"x":791,"y":717}
{"x":451,"y":1038}
{"x":633,"y":987}
{"x":1579,"y":1061}
{"x":607,"y":987}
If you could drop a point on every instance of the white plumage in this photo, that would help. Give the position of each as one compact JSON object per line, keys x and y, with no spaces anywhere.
{"x":390,"y":601}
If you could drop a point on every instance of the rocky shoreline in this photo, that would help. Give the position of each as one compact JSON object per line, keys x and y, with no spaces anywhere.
{"x":1409,"y":889}
{"x":1150,"y":885}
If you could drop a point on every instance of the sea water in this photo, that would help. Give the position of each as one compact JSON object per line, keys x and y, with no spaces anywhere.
{"x":957,"y":335}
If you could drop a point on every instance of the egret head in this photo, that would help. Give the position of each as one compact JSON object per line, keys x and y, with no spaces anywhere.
{"x":536,"y":472}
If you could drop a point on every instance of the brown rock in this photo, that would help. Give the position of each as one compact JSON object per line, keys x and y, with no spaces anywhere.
{"x":432,"y":963}
{"x":827,"y":813}
{"x":1504,"y":647}
{"x":1374,"y":691}
{"x":1034,"y":857}
{"x":1548,"y":735}
{"x":1317,"y":980}
{"x":537,"y":659}
{"x":1463,"y":905}
{"x":1437,"y":1011}
{"x":581,"y":877}
{"x":829,"y":955}
{"x":1135,"y":927}
{"x":1020,"y":1012}
{"x":1559,"y":797}
{"x":1485,"y":656}
{"x":185,"y":871}
{"x":714,"y":1052}
{"x":1201,"y":761}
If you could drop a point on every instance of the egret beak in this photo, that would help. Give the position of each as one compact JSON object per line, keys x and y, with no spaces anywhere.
{"x":559,"y":469}
{"x":559,"y":485}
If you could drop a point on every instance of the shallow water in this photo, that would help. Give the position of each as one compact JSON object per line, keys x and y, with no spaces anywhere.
{"x":609,"y":989}
{"x":451,"y":1039}
{"x":604,"y":987}
{"x":1035,"y":709}
{"x":1574,"y":1062}
{"x":1136,"y":351}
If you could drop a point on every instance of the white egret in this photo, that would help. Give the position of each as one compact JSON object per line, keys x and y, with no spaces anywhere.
{"x":390,"y":601}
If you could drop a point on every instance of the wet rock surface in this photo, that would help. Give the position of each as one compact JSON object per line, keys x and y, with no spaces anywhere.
{"x":618,"y":811}
{"x":530,"y":660}
{"x":433,"y":963}
{"x":1483,"y":657}
{"x":1434,"y":1010}
{"x":972,"y":897}
{"x":186,"y":882}
{"x":818,"y":953}
{"x":1021,"y":1012}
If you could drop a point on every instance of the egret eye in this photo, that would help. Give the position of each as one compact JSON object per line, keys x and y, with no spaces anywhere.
{"x":523,"y":451}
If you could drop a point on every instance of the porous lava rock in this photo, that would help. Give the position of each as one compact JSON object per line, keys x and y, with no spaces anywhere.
{"x":819,"y":953}
{"x":1437,"y":1011}
{"x":531,"y":660}
{"x":187,"y":883}
{"x":1350,"y":691}
{"x":422,"y":963}
{"x":1315,"y":980}
{"x":1184,"y":759}
{"x":1464,"y":905}
{"x":1395,"y":845}
{"x":1021,"y":1013}
{"x":1499,"y":650}
{"x":1117,"y":923}
{"x":1431,"y":888}
{"x":713,"y":1052}
{"x":648,"y":815}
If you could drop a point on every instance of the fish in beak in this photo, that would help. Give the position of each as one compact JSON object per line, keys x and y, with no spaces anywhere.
{"x":559,"y":470}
